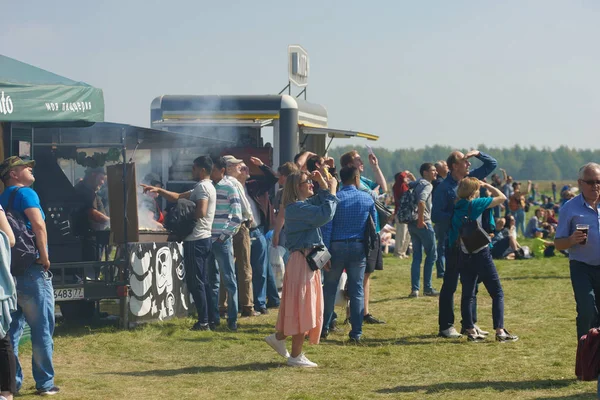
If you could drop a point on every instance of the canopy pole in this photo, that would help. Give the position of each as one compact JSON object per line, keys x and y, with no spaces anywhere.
{"x":328,"y":144}
{"x":125,"y":299}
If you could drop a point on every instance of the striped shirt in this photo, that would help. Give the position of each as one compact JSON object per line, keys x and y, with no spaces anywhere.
{"x":228,"y":211}
{"x":245,"y":206}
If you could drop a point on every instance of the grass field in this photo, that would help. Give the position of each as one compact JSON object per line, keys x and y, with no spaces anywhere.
{"x":402,"y":359}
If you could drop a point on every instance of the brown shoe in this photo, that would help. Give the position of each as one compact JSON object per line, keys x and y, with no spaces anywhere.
{"x":250,"y":313}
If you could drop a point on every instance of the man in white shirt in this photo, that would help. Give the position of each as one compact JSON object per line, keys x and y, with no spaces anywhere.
{"x":196,"y":247}
{"x":241,"y":245}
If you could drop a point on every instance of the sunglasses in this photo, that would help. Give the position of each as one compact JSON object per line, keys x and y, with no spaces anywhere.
{"x":308,"y":181}
{"x":591,"y":182}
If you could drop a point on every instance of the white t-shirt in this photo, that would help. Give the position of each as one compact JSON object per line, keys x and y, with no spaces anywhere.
{"x":204,"y":190}
{"x":255,"y":210}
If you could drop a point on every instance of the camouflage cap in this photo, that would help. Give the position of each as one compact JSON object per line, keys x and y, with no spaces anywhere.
{"x":229,"y":159}
{"x":13,"y":162}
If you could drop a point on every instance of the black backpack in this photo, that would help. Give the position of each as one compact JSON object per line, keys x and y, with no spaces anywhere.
{"x":181,"y":219}
{"x":472,"y":234}
{"x":24,"y":252}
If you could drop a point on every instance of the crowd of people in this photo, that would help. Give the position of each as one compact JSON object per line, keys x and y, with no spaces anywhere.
{"x":328,"y":221}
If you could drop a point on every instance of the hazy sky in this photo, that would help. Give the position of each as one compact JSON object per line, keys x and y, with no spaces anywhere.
{"x":413,"y":72}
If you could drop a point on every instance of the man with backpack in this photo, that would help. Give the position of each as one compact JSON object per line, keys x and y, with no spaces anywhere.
{"x":441,"y":213}
{"x":421,"y":232}
{"x":197,"y":244}
{"x":35,"y":295}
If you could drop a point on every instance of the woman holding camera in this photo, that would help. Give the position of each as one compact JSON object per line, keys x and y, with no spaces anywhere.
{"x":477,"y":264}
{"x":301,"y":308}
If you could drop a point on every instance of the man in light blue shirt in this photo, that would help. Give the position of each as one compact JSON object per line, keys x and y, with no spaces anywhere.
{"x":584,"y":258}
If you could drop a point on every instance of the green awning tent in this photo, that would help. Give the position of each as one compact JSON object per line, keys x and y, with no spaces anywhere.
{"x":31,"y":94}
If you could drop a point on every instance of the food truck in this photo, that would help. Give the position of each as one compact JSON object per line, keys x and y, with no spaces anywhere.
{"x":139,"y":266}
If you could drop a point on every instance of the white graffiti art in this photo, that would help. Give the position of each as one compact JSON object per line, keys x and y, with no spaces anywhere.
{"x":156,"y":281}
{"x":163,"y":270}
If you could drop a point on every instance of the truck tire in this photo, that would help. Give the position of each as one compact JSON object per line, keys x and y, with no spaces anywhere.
{"x":80,"y":310}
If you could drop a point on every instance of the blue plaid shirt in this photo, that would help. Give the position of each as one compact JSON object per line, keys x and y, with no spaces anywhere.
{"x":350,"y":219}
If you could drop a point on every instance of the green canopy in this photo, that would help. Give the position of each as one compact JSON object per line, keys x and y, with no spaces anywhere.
{"x":31,"y":94}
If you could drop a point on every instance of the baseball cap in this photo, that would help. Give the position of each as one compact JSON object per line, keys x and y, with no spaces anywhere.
{"x":153,"y":179}
{"x":13,"y":162}
{"x":229,"y":159}
{"x":96,"y":170}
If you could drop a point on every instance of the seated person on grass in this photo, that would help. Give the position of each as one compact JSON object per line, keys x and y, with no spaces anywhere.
{"x":535,"y":223}
{"x":504,"y":244}
{"x":542,"y":248}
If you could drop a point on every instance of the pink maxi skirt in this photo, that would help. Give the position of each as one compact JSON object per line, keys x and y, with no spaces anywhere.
{"x":301,"y":307}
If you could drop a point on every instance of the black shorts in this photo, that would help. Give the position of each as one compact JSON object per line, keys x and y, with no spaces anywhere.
{"x":375,"y":259}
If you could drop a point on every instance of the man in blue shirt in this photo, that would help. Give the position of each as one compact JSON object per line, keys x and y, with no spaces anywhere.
{"x":35,"y":295}
{"x":374,"y":188}
{"x":441,"y":214}
{"x":348,"y":250}
{"x":584,"y":258}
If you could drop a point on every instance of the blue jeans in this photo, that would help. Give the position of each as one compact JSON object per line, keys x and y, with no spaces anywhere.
{"x":446,"y":305}
{"x":260,"y":262}
{"x":351,"y":256}
{"x":422,"y":238}
{"x":586,"y":287}
{"x":480,"y":266}
{"x":195,"y":259}
{"x":273,"y":299}
{"x":441,"y":236}
{"x":35,"y":299}
{"x":520,"y":220}
{"x":221,"y":262}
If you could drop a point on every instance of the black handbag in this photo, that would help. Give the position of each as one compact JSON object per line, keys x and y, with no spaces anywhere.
{"x":318,"y":258}
{"x":473,"y":236}
{"x":383,"y":212}
{"x":370,"y":239}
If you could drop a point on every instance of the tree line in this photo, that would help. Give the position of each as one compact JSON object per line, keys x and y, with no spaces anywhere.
{"x":519,"y":162}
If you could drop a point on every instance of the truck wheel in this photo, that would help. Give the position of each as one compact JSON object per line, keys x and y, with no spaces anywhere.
{"x":80,"y":310}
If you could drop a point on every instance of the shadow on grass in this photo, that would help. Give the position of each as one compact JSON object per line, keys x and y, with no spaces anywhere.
{"x":496,"y":385}
{"x":200,"y":370}
{"x":415,"y":340}
{"x":84,"y":328}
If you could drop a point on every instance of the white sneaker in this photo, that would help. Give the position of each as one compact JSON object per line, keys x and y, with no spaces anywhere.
{"x":277,"y":345}
{"x":300,"y":361}
{"x":450,"y":333}
{"x":480,"y":331}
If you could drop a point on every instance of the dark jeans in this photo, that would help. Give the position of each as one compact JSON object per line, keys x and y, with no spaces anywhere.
{"x":8,"y":367}
{"x":585,"y":279}
{"x":480,"y":266}
{"x":442,"y":237}
{"x":195,"y":257}
{"x":273,"y":299}
{"x":446,"y":311}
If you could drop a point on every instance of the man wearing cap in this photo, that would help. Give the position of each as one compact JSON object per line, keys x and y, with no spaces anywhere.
{"x":92,"y":218}
{"x":149,"y":202}
{"x":35,"y":295}
{"x":241,"y":243}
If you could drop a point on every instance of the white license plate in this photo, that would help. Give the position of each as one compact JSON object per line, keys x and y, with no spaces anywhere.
{"x":68,"y":294}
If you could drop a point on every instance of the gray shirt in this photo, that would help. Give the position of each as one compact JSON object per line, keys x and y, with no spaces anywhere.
{"x":423,"y":191}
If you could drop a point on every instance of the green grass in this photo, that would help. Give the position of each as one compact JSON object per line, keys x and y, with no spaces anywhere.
{"x":402,"y":359}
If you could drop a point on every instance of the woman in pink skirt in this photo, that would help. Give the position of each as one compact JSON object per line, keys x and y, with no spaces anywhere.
{"x":301,"y":308}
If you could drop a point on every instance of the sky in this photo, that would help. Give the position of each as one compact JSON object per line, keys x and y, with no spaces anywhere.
{"x":416,"y":73}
